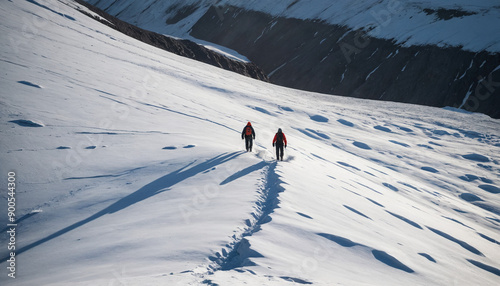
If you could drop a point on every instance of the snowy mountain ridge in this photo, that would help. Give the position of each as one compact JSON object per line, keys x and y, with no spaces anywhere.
{"x":474,"y":26}
{"x":130,"y":170}
{"x":433,"y":53}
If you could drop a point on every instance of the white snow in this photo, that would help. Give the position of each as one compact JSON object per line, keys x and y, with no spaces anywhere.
{"x":402,"y":21}
{"x":263,"y":31}
{"x":276,"y":69}
{"x":368,"y":76}
{"x":86,"y":10}
{"x":467,"y":95}
{"x":276,"y":22}
{"x":230,"y":53}
{"x":151,"y":186}
{"x":376,"y":50}
{"x":465,"y":72}
{"x":403,"y":69}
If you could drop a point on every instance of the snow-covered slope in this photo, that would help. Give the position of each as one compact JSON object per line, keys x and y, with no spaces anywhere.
{"x":433,"y":53}
{"x":130,"y":171}
{"x":473,"y":25}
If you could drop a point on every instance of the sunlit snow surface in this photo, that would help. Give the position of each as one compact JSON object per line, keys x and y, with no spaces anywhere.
{"x":471,"y":25}
{"x":131,"y":171}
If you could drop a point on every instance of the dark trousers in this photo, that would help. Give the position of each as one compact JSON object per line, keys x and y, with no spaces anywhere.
{"x":248,"y":142}
{"x":279,"y":152}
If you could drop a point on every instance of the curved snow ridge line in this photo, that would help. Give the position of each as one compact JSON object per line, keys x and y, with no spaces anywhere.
{"x":237,"y":253}
{"x":380,"y":255}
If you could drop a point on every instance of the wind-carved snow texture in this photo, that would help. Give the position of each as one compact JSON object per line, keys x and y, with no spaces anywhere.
{"x":260,"y":109}
{"x":356,"y":212}
{"x":138,"y":165}
{"x":490,"y":189}
{"x":430,"y":258}
{"x":380,"y":255}
{"x":361,"y":145}
{"x":458,"y":241}
{"x":154,"y":188}
{"x":410,"y":222}
{"x":318,"y":118}
{"x":238,"y":253}
{"x":346,"y":123}
{"x":29,"y":83}
{"x":476,"y":157}
{"x":486,"y":267}
{"x":28,"y":123}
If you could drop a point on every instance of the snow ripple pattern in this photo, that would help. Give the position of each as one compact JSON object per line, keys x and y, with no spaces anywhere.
{"x":238,"y":252}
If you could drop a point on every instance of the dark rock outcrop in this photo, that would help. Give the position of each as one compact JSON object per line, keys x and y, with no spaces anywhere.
{"x":183,"y":48}
{"x":316,"y":56}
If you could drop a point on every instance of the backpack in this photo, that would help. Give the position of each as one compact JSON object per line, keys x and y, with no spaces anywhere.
{"x":248,"y":131}
{"x":279,"y":138}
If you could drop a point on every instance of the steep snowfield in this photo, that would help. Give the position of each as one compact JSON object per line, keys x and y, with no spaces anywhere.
{"x":472,"y":25}
{"x":130,"y":171}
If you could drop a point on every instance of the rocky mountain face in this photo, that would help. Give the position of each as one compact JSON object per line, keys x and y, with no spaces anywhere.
{"x":315,"y":55}
{"x":183,"y":48}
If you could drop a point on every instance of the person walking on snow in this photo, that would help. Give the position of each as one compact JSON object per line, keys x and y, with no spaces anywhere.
{"x":248,"y":134}
{"x":280,"y":141}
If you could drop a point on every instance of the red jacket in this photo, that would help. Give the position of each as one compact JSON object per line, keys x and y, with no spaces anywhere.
{"x":244,"y":132}
{"x":276,"y":138}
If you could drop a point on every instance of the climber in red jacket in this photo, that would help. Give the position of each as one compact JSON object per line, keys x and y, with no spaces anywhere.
{"x":279,"y":141}
{"x":248,"y":134}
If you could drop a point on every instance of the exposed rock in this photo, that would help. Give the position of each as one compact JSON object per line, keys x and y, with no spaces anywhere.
{"x":316,"y":56}
{"x":183,"y":48}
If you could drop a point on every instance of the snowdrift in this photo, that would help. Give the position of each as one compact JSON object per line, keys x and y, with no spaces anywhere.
{"x":130,"y":170}
{"x":472,"y":26}
{"x":435,"y":53}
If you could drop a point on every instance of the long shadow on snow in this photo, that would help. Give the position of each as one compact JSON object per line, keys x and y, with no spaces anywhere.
{"x":244,"y":172}
{"x":24,"y":217}
{"x":154,"y":188}
{"x":55,"y":12}
{"x":240,"y":251}
{"x":381,"y":256}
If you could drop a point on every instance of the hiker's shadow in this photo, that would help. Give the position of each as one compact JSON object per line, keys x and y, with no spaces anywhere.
{"x":156,"y":187}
